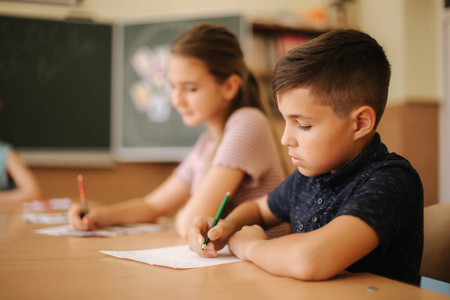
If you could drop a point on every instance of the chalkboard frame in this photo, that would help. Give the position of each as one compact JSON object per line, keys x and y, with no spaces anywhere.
{"x":142,"y":150}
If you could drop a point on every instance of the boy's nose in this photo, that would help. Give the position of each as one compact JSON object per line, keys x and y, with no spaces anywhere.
{"x":287,"y":138}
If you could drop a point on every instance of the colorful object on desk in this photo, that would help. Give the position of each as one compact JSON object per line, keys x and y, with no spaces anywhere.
{"x":82,"y":194}
{"x":47,"y":211}
{"x":216,"y":219}
{"x":45,"y":218}
{"x":47,"y":204}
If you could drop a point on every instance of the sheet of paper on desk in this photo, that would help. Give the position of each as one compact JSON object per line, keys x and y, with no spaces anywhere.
{"x":45,"y":218}
{"x":177,"y":257}
{"x":111,"y":231}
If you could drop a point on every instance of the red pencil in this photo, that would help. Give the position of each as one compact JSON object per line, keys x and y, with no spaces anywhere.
{"x":82,"y":194}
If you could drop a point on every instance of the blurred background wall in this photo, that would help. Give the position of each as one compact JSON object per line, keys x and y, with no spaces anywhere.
{"x":407,"y":29}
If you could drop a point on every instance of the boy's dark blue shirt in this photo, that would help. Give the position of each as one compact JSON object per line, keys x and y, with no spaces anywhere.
{"x":380,"y":188}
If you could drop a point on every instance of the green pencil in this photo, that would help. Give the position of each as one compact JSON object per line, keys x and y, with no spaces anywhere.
{"x":216,"y":219}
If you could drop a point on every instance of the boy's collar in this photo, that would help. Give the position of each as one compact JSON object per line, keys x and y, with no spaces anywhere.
{"x":336,"y":181}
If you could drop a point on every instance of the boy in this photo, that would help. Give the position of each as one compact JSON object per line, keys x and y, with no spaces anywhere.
{"x":352,"y":205}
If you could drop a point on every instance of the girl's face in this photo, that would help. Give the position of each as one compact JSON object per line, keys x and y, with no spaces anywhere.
{"x":318,"y":141}
{"x":195,"y":93}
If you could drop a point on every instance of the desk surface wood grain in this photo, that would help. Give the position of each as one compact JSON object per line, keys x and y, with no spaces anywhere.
{"x":34,"y":266}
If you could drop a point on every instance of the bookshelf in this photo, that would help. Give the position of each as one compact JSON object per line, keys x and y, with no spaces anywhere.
{"x":270,"y":41}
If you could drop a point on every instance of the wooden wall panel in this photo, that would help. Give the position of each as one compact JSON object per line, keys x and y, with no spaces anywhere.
{"x":124,"y":181}
{"x":411,"y":130}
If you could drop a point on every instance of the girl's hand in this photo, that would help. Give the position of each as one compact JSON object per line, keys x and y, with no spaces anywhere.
{"x":218,"y":236}
{"x":78,"y":223}
{"x":244,"y":240}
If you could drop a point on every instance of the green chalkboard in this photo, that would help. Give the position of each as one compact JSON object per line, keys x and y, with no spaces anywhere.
{"x":55,"y":84}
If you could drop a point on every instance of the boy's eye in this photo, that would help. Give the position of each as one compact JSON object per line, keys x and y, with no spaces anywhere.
{"x":304,"y":127}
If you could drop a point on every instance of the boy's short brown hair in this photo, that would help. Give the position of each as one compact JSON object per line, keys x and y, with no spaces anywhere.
{"x":342,"y":68}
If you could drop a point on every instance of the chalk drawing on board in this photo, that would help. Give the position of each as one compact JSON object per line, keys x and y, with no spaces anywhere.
{"x":151,"y":94}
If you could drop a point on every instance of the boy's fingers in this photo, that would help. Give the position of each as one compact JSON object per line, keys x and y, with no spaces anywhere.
{"x":196,"y":225}
{"x":197,"y":234}
{"x":195,"y":230}
{"x":221,"y":230}
{"x":215,"y":232}
{"x":201,"y":225}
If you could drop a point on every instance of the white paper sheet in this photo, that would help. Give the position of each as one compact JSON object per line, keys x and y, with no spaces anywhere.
{"x":45,"y":218}
{"x":177,"y":257}
{"x":111,"y":231}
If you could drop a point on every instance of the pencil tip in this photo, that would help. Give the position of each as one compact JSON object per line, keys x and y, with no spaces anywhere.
{"x":80,"y":177}
{"x":203,"y":247}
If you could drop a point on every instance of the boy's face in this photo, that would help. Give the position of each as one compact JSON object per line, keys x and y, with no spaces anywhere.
{"x":318,"y":140}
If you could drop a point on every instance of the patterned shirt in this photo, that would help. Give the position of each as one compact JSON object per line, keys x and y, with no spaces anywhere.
{"x":247,"y":144}
{"x":380,"y":188}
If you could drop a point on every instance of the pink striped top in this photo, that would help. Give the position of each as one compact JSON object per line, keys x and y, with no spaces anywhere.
{"x":247,"y":144}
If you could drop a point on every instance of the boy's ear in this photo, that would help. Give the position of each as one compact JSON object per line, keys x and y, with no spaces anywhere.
{"x":364,"y":121}
{"x":231,"y":87}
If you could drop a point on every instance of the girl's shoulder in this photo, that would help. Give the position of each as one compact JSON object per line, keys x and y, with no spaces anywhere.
{"x":249,"y":122}
{"x":245,"y":114}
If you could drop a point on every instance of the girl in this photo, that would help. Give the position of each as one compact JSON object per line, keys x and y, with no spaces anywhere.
{"x":211,"y":85}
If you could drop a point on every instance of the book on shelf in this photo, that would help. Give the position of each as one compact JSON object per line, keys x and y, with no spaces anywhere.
{"x":287,"y":41}
{"x":269,"y":48}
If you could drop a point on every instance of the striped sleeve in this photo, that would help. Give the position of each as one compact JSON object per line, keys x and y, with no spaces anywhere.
{"x":187,"y":169}
{"x":247,"y":144}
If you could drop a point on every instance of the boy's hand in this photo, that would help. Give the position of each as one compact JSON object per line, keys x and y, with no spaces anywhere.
{"x":218,"y":236}
{"x":245,"y":239}
{"x":77,"y":222}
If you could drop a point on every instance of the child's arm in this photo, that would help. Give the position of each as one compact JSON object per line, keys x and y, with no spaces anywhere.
{"x":164,"y":200}
{"x":248,"y":213}
{"x":316,"y":255}
{"x":27,"y":187}
{"x":216,"y":183}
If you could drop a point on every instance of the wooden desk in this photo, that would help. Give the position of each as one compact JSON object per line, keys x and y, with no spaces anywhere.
{"x":34,"y":266}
